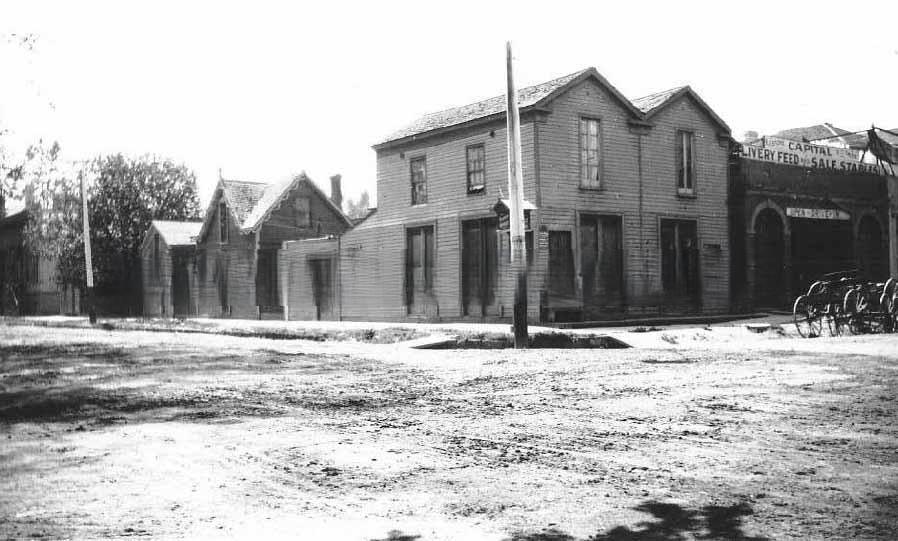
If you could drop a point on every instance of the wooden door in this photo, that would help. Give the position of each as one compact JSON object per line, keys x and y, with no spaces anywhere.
{"x":180,"y":287}
{"x":479,"y":263}
{"x":561,"y":266}
{"x":419,"y":267}
{"x":323,"y":291}
{"x":601,"y":263}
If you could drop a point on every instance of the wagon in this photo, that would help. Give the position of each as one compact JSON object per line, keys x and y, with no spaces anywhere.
{"x":845,"y":303}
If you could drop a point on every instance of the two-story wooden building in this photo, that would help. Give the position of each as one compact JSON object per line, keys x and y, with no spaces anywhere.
{"x":625,"y":203}
{"x":239,"y":243}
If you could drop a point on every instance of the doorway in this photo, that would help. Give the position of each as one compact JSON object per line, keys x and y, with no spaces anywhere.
{"x":479,"y":264}
{"x":601,"y":264}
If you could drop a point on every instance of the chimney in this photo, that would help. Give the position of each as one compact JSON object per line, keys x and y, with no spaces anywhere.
{"x":337,"y":191}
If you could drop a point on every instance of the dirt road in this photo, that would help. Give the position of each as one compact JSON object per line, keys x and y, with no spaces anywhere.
{"x":127,"y":434}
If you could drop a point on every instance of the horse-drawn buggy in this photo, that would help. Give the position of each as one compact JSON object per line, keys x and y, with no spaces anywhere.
{"x":845,"y":303}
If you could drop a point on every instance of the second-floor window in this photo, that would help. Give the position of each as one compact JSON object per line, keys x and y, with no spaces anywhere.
{"x":590,"y":153}
{"x":685,"y":162}
{"x":223,"y":223}
{"x":476,"y":158}
{"x":418,"y":169}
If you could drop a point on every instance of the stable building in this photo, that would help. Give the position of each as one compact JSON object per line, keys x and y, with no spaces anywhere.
{"x":625,"y":208}
{"x":167,"y":257}
{"x":802,"y":209}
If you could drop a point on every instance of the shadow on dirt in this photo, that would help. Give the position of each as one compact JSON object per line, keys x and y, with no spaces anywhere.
{"x":82,"y":383}
{"x":397,"y":535}
{"x":671,"y":523}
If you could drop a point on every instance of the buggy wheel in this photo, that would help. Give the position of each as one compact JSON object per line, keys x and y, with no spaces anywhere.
{"x":833,"y":318}
{"x":855,"y":307}
{"x":807,"y":318}
{"x":816,"y":287}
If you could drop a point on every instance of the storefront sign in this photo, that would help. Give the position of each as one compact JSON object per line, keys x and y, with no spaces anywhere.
{"x":817,"y":214}
{"x":784,"y":151}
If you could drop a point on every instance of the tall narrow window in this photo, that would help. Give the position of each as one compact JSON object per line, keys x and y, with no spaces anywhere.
{"x":590,"y":153}
{"x":418,"y":168}
{"x":301,"y":212}
{"x":223,"y":223}
{"x":685,"y":162}
{"x":476,"y":158}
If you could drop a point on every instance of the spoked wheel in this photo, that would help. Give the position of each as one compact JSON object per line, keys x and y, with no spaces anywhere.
{"x":833,"y":318}
{"x":855,"y":307}
{"x":888,"y":304}
{"x":808,"y":320}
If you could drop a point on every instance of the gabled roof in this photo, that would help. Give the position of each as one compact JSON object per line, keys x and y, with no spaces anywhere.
{"x":251,"y":203}
{"x":528,"y":97}
{"x":274,"y":194}
{"x":653,"y":104}
{"x":647,"y":104}
{"x":178,"y":233}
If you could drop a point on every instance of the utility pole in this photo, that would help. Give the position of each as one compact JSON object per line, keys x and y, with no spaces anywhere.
{"x":88,"y":265}
{"x":516,"y":209}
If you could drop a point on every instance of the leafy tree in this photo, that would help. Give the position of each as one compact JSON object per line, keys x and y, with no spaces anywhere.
{"x":128,"y":194}
{"x":359,"y":209}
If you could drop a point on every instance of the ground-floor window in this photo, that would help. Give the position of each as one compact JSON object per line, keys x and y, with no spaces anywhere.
{"x":561,"y":264}
{"x":679,"y":257}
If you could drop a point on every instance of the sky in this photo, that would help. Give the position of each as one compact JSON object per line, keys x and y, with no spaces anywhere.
{"x":264,"y":90}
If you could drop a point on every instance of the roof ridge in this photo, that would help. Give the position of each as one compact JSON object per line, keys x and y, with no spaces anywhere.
{"x":669,"y":90}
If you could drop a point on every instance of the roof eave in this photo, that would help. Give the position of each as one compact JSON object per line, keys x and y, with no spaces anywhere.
{"x":489,"y":119}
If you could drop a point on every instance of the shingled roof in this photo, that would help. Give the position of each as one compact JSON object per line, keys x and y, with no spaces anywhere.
{"x":242,"y":196}
{"x":827,"y":133}
{"x":178,"y":233}
{"x":539,"y":95}
{"x":495,"y":105}
{"x":649,"y":103}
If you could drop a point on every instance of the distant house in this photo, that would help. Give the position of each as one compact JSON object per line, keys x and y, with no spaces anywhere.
{"x":167,"y":258}
{"x":625,"y":208}
{"x":28,"y":282}
{"x":239,"y":244}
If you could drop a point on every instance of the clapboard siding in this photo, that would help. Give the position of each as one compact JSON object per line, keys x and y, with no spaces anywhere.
{"x":638,"y":186}
{"x":708,"y":207}
{"x":293,"y":261}
{"x":157,"y":300}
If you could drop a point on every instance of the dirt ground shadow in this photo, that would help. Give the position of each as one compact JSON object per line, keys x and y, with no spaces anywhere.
{"x":671,"y":522}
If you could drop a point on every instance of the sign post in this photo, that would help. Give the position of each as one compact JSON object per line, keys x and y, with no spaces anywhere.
{"x":516,"y":209}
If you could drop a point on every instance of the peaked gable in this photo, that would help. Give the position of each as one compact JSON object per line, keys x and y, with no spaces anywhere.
{"x":530,"y":97}
{"x":653,"y":104}
{"x":275,"y":194}
{"x":240,"y":196}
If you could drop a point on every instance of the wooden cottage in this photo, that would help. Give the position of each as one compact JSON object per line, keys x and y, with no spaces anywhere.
{"x":28,"y":281}
{"x":626,"y":204}
{"x":167,"y":259}
{"x":240,"y":242}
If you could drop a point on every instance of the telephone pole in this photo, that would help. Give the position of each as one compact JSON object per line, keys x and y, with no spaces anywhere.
{"x":516,"y":209}
{"x":88,"y":265}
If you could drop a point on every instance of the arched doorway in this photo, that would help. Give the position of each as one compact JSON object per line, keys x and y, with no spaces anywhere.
{"x":769,"y":254}
{"x":870,"y":250}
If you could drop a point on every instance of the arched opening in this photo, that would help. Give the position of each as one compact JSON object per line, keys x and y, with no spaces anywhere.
{"x":870,"y":249}
{"x":769,"y":254}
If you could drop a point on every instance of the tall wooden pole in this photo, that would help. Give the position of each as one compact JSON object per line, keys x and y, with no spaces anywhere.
{"x":88,"y":265}
{"x":516,"y":209}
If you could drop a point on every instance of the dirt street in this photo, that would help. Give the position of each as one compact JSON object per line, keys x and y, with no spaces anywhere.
{"x":110,"y":434}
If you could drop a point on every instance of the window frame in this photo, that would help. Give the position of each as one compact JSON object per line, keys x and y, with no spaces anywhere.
{"x":684,"y":162}
{"x":481,"y":188}
{"x":223,"y":231}
{"x":583,"y":172}
{"x":157,"y":263}
{"x":422,"y":182}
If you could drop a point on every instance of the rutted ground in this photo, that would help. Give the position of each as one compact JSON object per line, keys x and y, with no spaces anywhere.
{"x":118,"y":434}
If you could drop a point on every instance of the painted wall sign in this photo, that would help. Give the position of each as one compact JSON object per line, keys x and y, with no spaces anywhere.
{"x":784,"y":151}
{"x":817,"y":214}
